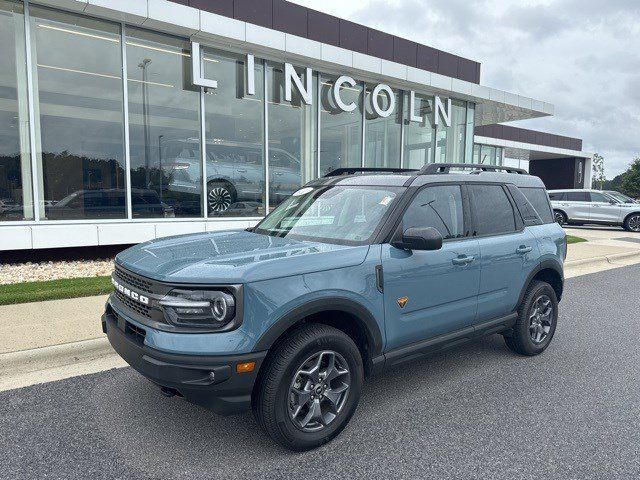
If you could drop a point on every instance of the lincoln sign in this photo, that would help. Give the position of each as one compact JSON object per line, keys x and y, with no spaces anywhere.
{"x":442,"y":109}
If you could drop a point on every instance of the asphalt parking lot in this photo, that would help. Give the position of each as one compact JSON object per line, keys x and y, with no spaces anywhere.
{"x":473,"y":412}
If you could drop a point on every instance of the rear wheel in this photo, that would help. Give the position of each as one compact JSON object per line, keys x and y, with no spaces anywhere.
{"x":560,"y":217}
{"x":309,"y":388}
{"x":537,"y":320}
{"x":632,"y":223}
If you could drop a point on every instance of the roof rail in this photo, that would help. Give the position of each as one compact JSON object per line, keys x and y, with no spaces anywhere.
{"x":436,"y":168}
{"x":353,"y":170}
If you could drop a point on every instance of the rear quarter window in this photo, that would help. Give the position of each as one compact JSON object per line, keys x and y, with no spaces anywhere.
{"x":538,"y":199}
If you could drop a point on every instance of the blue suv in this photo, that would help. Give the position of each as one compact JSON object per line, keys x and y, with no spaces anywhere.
{"x":350,"y":276}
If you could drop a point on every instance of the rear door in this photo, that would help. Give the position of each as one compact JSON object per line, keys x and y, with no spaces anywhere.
{"x":602,"y":210}
{"x":508,"y":251}
{"x":441,"y":286}
{"x":577,"y":205}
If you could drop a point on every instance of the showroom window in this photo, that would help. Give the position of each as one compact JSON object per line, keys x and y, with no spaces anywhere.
{"x":16,"y":199}
{"x":487,"y":154}
{"x":77,"y":80}
{"x":418,"y":136}
{"x":450,"y":141}
{"x":292,"y":134}
{"x":234,"y":132}
{"x":164,"y":126}
{"x":340,"y":131}
{"x":382,"y":134}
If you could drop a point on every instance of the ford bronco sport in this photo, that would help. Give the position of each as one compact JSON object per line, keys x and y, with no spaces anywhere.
{"x":351,"y":275}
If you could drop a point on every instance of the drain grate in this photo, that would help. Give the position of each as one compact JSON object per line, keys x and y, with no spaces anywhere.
{"x":629,"y":239}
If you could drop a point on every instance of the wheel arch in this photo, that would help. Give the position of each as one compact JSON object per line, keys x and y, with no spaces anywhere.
{"x":225,"y":180}
{"x":345,"y":314}
{"x":549,"y":271}
{"x":636,"y":212}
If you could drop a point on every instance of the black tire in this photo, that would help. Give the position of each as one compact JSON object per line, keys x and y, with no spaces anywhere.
{"x":520,"y":339}
{"x":560,"y":217}
{"x":632,"y":223}
{"x":220,"y":196}
{"x":272,"y":399}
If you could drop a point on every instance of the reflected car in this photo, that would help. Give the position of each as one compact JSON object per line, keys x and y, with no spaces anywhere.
{"x":621,"y":197}
{"x":10,"y":209}
{"x":235,"y":172}
{"x":108,"y":203}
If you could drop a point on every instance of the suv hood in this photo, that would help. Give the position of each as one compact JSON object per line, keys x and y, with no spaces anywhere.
{"x":234,"y":257}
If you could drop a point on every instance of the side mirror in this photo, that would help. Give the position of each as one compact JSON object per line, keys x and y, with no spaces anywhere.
{"x":418,"y":238}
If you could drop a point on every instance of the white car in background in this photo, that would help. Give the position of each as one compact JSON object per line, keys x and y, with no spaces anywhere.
{"x":579,"y":207}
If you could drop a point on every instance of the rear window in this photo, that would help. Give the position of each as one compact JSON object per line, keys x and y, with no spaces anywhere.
{"x":494,"y":213}
{"x":538,"y":198}
{"x":577,"y":197}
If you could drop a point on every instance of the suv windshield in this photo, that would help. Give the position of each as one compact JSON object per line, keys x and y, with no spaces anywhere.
{"x":334,"y":214}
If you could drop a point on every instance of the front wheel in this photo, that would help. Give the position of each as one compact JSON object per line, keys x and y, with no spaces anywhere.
{"x":537,"y":320}
{"x":560,"y":217}
{"x":220,"y":196}
{"x":632,"y":223}
{"x":309,"y":387}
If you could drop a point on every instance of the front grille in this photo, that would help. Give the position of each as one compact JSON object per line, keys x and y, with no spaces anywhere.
{"x":137,"y":307}
{"x":133,"y":280}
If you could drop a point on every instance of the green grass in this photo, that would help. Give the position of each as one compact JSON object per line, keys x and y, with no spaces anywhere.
{"x":54,"y":289}
{"x":572,"y":239}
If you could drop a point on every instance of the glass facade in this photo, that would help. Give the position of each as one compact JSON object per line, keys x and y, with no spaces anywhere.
{"x":487,"y":154}
{"x":16,"y":199}
{"x":120,"y":131}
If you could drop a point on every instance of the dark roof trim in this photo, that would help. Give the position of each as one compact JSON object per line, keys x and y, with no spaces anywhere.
{"x":295,"y":19}
{"x":515,"y":134}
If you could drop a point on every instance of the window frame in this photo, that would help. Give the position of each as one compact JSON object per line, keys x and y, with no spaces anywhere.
{"x":518,"y":222}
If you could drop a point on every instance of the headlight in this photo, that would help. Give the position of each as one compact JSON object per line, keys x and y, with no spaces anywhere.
{"x":198,"y":308}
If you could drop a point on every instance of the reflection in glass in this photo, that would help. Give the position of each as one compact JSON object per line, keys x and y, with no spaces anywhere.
{"x":382,"y":134}
{"x":77,"y":78}
{"x":15,"y":169}
{"x":234,"y":129}
{"x":292,"y":135}
{"x":418,"y":136}
{"x":340,"y":132}
{"x":164,"y":125}
{"x":450,"y":141}
{"x":469,"y":132}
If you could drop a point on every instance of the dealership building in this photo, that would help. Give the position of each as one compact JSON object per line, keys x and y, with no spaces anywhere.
{"x":127,"y":120}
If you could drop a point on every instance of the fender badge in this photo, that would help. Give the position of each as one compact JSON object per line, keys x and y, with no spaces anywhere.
{"x":402,"y":301}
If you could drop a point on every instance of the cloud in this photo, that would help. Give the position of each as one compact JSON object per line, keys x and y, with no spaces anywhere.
{"x":581,"y":55}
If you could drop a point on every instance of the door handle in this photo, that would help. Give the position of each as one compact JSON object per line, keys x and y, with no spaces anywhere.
{"x":279,"y":174}
{"x":524,"y":249}
{"x":463,"y":260}
{"x":241,"y":170}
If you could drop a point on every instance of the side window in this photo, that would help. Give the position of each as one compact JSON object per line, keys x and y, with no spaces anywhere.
{"x":598,"y":197}
{"x":538,"y":199}
{"x":557,"y":196}
{"x":439,"y":207}
{"x":577,"y":197}
{"x":493,"y":211}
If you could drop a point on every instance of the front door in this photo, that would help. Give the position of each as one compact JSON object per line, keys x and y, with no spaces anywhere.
{"x":602,"y":210}
{"x":431,"y":293}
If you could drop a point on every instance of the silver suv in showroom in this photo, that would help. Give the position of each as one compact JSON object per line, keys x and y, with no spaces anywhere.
{"x":579,"y":207}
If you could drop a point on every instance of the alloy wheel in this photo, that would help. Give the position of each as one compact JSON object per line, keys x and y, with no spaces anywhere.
{"x":540,"y":319}
{"x":559,"y":216}
{"x":634,"y":223}
{"x":219,"y":199}
{"x":319,"y":390}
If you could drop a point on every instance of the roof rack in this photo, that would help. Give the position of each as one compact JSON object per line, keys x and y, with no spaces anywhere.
{"x":442,"y":168}
{"x":354,"y":170}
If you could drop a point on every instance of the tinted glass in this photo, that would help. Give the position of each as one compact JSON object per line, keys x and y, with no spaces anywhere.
{"x":234,"y":130}
{"x":439,"y":207}
{"x":557,"y":196}
{"x":598,"y":197}
{"x":382,"y":134}
{"x":78,"y":75}
{"x":493,"y":211}
{"x":164,"y":123}
{"x":15,"y":167}
{"x":450,"y":141}
{"x":538,"y":199}
{"x":418,"y":136}
{"x":292,"y":135}
{"x":576,"y":197}
{"x":340,"y":132}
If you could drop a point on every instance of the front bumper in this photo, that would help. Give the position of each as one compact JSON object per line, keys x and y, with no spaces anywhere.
{"x":208,"y":381}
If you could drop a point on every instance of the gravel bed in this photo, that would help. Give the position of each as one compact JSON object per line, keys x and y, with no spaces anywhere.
{"x":53,"y":270}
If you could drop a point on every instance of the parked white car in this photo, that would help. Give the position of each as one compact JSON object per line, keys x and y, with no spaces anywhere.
{"x":579,"y":207}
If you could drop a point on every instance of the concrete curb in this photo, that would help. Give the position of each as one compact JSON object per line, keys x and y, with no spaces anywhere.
{"x":36,"y":359}
{"x":604,"y":259}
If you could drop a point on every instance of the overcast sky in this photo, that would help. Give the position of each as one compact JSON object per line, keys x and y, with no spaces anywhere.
{"x":581,"y":55}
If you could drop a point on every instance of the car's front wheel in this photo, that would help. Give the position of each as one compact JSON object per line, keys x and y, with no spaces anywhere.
{"x":220,"y":196}
{"x":560,"y":217}
{"x":537,"y":320}
{"x":309,"y":387}
{"x":632,"y":223}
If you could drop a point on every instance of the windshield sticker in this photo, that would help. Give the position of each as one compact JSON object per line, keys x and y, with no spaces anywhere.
{"x":386,"y":200}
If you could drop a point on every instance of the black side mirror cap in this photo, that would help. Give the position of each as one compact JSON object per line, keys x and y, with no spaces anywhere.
{"x":418,"y":238}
